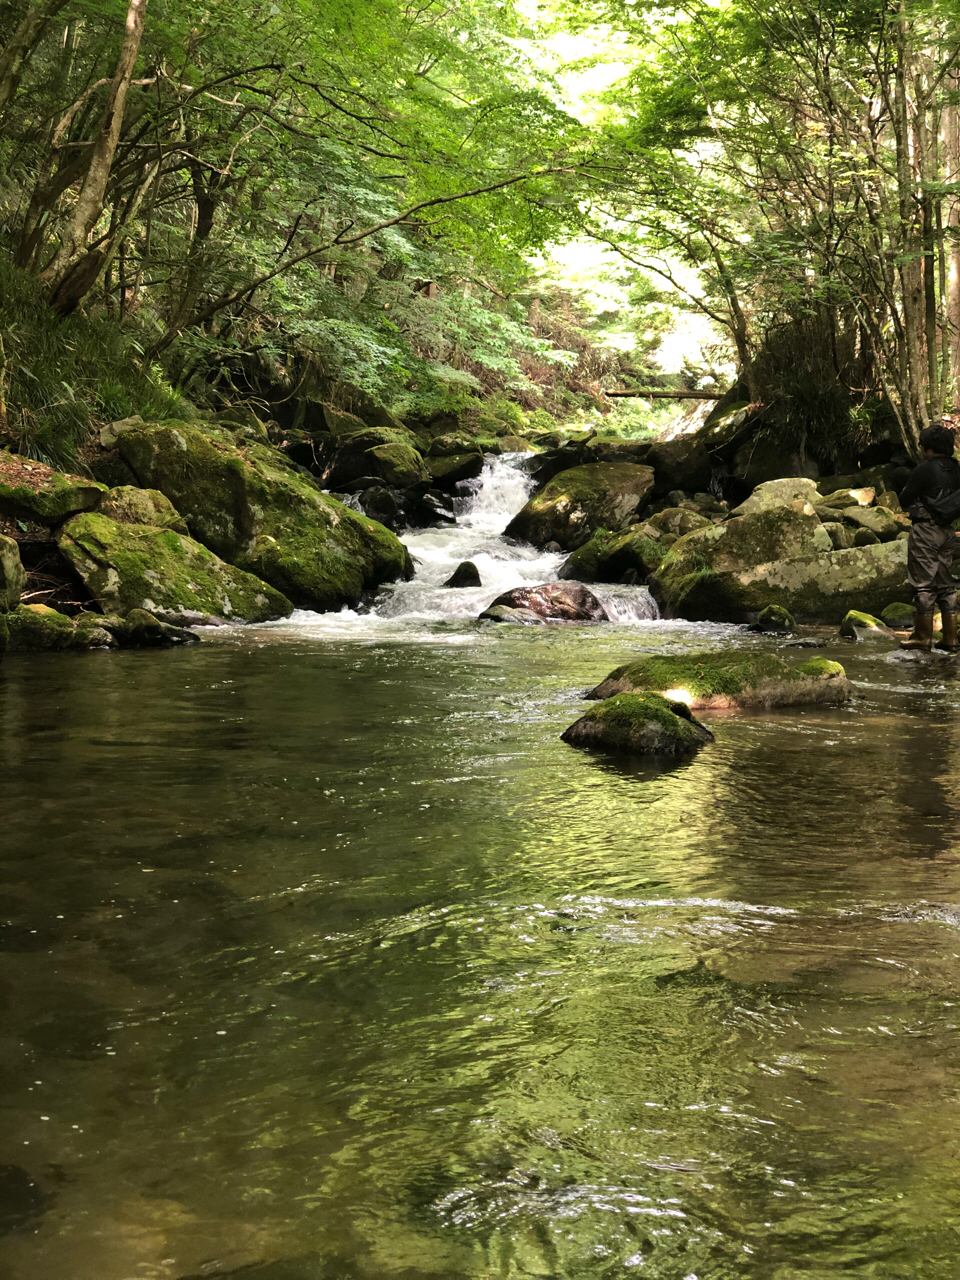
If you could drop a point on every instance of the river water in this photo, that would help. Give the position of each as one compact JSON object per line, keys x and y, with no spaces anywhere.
{"x":326,"y":960}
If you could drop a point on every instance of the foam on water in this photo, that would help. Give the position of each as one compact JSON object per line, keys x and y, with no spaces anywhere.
{"x":502,"y":489}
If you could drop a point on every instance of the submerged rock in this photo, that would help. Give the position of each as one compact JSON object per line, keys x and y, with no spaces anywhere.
{"x":578,"y":502}
{"x":556,"y":601}
{"x":32,"y":491}
{"x":639,"y":724}
{"x":126,"y":566}
{"x":13,"y":576}
{"x":503,"y":613}
{"x":466,"y":574}
{"x":253,"y":509}
{"x":723,"y":680}
{"x":607,"y":557}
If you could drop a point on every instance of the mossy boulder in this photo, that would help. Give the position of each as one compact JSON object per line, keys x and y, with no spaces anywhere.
{"x":251,"y":508}
{"x":574,"y":504}
{"x":609,"y":557}
{"x":454,"y":467}
{"x":13,"y":576}
{"x":32,"y":491}
{"x":38,"y":628}
{"x":141,"y":630}
{"x":839,"y":534}
{"x":639,"y":724}
{"x":841,"y":498}
{"x":398,"y":465}
{"x":857,"y":625}
{"x":876,"y":520}
{"x":898,"y":616}
{"x":775,"y":493}
{"x":724,"y":680}
{"x":128,"y":566}
{"x":775,"y":618}
{"x":679,"y":521}
{"x":128,"y":505}
{"x":714,"y":574}
{"x":683,"y":463}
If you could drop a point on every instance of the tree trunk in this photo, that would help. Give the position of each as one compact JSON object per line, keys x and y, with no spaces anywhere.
{"x":25,"y":38}
{"x":75,"y":268}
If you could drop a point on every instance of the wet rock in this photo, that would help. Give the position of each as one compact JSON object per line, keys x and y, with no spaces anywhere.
{"x":607,"y":449}
{"x":776,"y":620}
{"x":808,"y":642}
{"x":141,"y":630}
{"x":554,"y":548}
{"x":32,"y":491}
{"x":898,"y":616}
{"x":384,"y":505}
{"x":724,"y":680}
{"x":454,"y":468}
{"x":639,"y":724}
{"x":437,"y":508}
{"x":128,"y":505}
{"x":466,"y":574}
{"x":578,"y":502}
{"x":608,"y":557}
{"x":864,"y":626}
{"x":503,"y":613}
{"x":13,"y":576}
{"x":682,"y":463}
{"x":775,"y":493}
{"x":556,"y":601}
{"x":38,"y":628}
{"x":126,"y":566}
{"x":252,"y":509}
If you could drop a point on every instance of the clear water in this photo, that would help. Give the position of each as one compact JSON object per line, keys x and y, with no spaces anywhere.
{"x":326,"y":960}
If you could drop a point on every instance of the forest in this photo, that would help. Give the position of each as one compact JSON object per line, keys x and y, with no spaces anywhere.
{"x":480,"y":683}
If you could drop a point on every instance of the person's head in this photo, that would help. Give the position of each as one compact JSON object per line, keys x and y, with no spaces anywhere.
{"x":937,"y":439}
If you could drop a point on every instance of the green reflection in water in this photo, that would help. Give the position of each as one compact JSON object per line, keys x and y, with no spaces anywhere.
{"x":332,"y":961}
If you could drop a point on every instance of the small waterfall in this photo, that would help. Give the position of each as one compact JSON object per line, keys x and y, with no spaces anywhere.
{"x":498,"y":494}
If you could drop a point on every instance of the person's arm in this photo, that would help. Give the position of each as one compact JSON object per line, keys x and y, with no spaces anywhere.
{"x":912,"y":489}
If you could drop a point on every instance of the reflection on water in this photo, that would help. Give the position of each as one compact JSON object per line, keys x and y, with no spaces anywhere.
{"x":328,"y":959}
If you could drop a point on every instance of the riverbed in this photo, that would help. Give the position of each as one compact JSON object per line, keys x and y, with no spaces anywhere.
{"x":326,"y":960}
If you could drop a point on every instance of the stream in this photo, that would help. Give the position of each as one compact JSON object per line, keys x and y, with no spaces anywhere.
{"x":324,"y":958}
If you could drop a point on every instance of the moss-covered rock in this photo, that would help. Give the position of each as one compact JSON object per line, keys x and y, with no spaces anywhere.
{"x":141,"y":630}
{"x":36,"y":627}
{"x":775,"y":493}
{"x":32,"y":491}
{"x":898,"y":616}
{"x":876,"y":520}
{"x":398,"y":465}
{"x":679,"y":521}
{"x":601,"y":495}
{"x":857,"y":625}
{"x":639,"y":724}
{"x":839,"y":534}
{"x":127,"y":566}
{"x":608,"y":557}
{"x":731,"y":571}
{"x":842,"y":498}
{"x":683,"y":463}
{"x":251,"y":508}
{"x":128,"y":505}
{"x":723,"y":680}
{"x":451,"y":468}
{"x":13,"y":576}
{"x":775,"y":618}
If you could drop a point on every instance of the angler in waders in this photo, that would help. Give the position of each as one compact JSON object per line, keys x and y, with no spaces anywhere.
{"x":931,"y":495}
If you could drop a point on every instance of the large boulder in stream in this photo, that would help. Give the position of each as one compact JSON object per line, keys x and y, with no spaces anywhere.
{"x":719,"y":681}
{"x":639,"y":724}
{"x":134,"y":566}
{"x":38,"y":628}
{"x":252,"y":508}
{"x":578,"y":502}
{"x":615,"y":557}
{"x":553,"y":601}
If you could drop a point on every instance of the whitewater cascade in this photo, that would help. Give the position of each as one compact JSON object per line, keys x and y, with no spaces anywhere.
{"x":499,"y":493}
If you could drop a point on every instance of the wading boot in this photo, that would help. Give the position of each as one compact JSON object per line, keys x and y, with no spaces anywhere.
{"x":949,"y":643}
{"x":922,"y":636}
